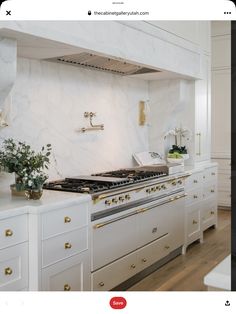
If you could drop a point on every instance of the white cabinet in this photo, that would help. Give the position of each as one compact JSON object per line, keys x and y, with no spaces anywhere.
{"x":200,"y":204}
{"x":59,"y":249}
{"x":14,"y":253}
{"x":202,"y":112}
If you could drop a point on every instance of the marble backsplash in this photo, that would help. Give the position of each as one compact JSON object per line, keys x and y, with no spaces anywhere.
{"x":48,"y":105}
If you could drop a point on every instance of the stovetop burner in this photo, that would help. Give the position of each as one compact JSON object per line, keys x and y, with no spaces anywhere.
{"x":89,"y":184}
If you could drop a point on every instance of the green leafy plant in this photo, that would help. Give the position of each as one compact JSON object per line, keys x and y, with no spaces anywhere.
{"x":28,"y":165}
{"x":178,"y":149}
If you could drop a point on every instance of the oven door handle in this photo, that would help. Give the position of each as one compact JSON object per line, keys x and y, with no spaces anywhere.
{"x":108,"y":222}
{"x":171,"y":199}
{"x":138,"y":211}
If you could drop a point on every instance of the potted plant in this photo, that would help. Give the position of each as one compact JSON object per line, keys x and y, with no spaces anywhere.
{"x":178,"y":153}
{"x":28,"y":165}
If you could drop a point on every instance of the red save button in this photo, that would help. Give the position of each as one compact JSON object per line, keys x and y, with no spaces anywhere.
{"x":118,"y":303}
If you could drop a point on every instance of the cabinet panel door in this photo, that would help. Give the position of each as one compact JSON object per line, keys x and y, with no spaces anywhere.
{"x":72,"y":274}
{"x":202,"y":110}
{"x":221,"y":112}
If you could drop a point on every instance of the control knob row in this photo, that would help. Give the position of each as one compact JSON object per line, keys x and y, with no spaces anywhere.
{"x":115,"y":200}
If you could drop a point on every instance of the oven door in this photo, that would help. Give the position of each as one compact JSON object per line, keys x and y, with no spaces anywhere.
{"x":119,"y":234}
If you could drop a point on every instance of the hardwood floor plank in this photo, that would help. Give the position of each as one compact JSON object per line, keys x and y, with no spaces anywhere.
{"x":186,"y":272}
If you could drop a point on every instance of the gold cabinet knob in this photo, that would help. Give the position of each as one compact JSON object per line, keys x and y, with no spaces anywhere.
{"x":8,"y":271}
{"x":194,"y":222}
{"x":167,"y":247}
{"x":114,"y":200}
{"x":195,"y":181}
{"x":213,"y":173}
{"x":212,"y":191}
{"x":212,"y":212}
{"x":133,"y":266}
{"x":68,"y":245}
{"x":8,"y":233}
{"x":67,"y":287}
{"x":108,"y":202}
{"x":144,"y":260}
{"x":101,"y":284}
{"x":67,"y":219}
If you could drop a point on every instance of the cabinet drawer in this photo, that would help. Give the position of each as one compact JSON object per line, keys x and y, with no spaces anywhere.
{"x":194,"y":181}
{"x":153,"y":252}
{"x":209,"y":215}
{"x":193,"y":223}
{"x":210,"y":174}
{"x":64,"y":220}
{"x":13,"y":231}
{"x":193,"y":196}
{"x":210,"y":190}
{"x":117,"y":272}
{"x":224,"y":198}
{"x":64,"y":246}
{"x":72,"y":274}
{"x":14,"y":268}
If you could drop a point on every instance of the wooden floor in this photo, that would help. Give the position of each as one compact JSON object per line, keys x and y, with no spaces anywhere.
{"x":186,"y":272}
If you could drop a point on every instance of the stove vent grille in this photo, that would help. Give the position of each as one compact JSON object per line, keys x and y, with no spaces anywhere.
{"x":95,"y":62}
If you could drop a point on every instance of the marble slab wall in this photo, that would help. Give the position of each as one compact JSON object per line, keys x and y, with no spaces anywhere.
{"x":48,"y":105}
{"x":171,"y":105}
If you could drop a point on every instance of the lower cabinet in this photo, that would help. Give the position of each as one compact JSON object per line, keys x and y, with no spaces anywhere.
{"x":209,"y":214}
{"x":68,"y":275}
{"x":14,"y":268}
{"x":193,"y":229}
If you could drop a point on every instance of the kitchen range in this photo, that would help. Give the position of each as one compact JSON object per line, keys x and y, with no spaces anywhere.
{"x":133,"y":208}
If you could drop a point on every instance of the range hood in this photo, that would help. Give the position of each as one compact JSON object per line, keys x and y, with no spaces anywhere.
{"x":105,"y":64}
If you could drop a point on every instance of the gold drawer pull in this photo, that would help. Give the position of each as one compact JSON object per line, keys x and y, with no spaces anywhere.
{"x":167,"y":247}
{"x":194,"y":196}
{"x":67,"y":287}
{"x":154,"y":230}
{"x":8,"y":271}
{"x":212,"y":191}
{"x":195,"y":181}
{"x":212,"y":212}
{"x":68,"y":245}
{"x":194,"y":222}
{"x":213,"y":173}
{"x":8,"y":233}
{"x":144,"y":260}
{"x":101,"y":284}
{"x":133,"y":266}
{"x":67,"y":219}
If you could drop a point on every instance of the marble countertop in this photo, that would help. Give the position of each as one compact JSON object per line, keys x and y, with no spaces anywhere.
{"x":220,"y":276}
{"x":17,"y":205}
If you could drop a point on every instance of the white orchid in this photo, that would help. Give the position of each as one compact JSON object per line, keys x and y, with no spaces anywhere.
{"x":179,"y":131}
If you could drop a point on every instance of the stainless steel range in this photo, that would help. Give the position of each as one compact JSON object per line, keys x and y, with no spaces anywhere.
{"x":118,"y":199}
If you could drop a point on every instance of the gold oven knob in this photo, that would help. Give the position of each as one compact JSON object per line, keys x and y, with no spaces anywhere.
{"x":121,"y":198}
{"x":67,"y":219}
{"x":114,"y":200}
{"x":148,"y":191}
{"x":195,"y":181}
{"x":108,"y":202}
{"x":179,"y":181}
{"x":127,"y":197}
{"x":212,"y":191}
{"x":173,"y":183}
{"x":153,"y":189}
{"x":67,"y":287}
{"x":163,"y":187}
{"x":8,"y":271}
{"x":68,"y":245}
{"x":8,"y":233}
{"x":194,"y":196}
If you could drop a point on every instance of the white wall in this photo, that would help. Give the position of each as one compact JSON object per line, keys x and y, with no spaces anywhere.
{"x":171,"y":105}
{"x":48,"y":103}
